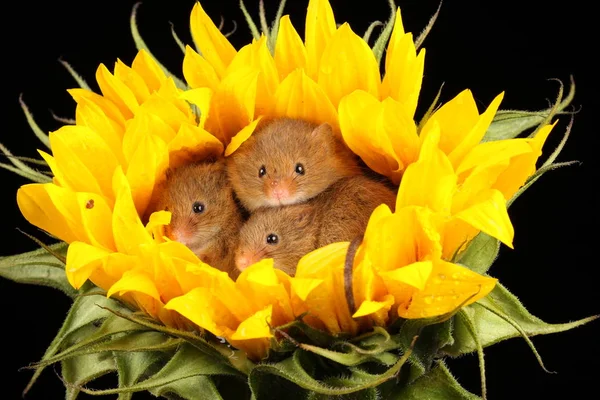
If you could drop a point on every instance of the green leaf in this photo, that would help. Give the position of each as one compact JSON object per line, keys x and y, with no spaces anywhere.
{"x":83,"y":312}
{"x":508,"y":124}
{"x":493,"y":329}
{"x":193,"y":388}
{"x":480,"y":254}
{"x":352,"y":357}
{"x":141,"y":45}
{"x":437,"y":384}
{"x":78,"y":371}
{"x":293,"y":369}
{"x":38,"y":267}
{"x":187,"y":362}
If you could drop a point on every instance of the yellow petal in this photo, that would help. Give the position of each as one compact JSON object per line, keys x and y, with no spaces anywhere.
{"x":489,"y":215}
{"x":156,"y":224}
{"x":522,"y":166}
{"x":167,"y":111}
{"x":203,"y":308}
{"x":147,"y":167}
{"x":191,"y":144}
{"x":476,"y":133}
{"x":142,"y":125}
{"x":201,"y":98}
{"x":128,"y":231}
{"x":233,"y":103}
{"x":369,"y":307}
{"x":320,"y":27}
{"x":449,"y":286}
{"x":415,"y":274}
{"x":133,"y":81}
{"x":108,"y":107}
{"x":255,"y":327}
{"x":85,"y":161}
{"x":117,"y":92}
{"x":149,"y":70}
{"x":135,"y":281}
{"x":430,"y":182}
{"x":91,"y":115}
{"x":355,"y":68}
{"x":58,"y":178}
{"x":214,"y":46}
{"x":82,"y":260}
{"x":488,"y":154}
{"x":403,"y":68}
{"x":290,"y":52}
{"x":359,"y":115}
{"x":300,"y":97}
{"x":303,"y":287}
{"x":198,"y":72}
{"x":96,"y":215}
{"x":241,"y":137}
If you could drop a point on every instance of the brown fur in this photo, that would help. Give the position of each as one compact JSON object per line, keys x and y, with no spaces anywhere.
{"x":339,"y":214}
{"x":279,"y":145}
{"x":295,"y":227}
{"x":213,"y":233}
{"x":345,"y":208}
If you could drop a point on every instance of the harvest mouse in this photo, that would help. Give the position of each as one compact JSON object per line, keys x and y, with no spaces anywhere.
{"x":284,"y":234}
{"x":204,"y":214}
{"x":288,"y":161}
{"x":287,"y":233}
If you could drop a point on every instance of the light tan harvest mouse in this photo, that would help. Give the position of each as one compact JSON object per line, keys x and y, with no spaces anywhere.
{"x":204,"y":214}
{"x":287,"y":233}
{"x":288,"y":161}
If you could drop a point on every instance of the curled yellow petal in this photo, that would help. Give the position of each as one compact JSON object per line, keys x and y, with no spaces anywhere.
{"x":201,"y":98}
{"x":355,"y":68}
{"x":135,"y":281}
{"x":448,"y":287}
{"x":300,"y":97}
{"x":256,"y":326}
{"x":82,"y":260}
{"x":415,"y":274}
{"x":215,"y":47}
{"x":156,"y":224}
{"x":193,"y":143}
{"x":319,"y":28}
{"x":198,"y":72}
{"x":241,"y":137}
{"x":290,"y":52}
{"x":369,"y":307}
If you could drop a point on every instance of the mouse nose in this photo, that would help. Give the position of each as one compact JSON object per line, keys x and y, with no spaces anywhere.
{"x":180,"y":236}
{"x":244,"y":260}
{"x":274,"y":182}
{"x":280,"y":193}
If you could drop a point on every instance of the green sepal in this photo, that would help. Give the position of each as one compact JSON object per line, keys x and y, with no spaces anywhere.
{"x":38,"y":267}
{"x":508,"y":124}
{"x":480,"y":253}
{"x":192,"y":388}
{"x":379,"y":46}
{"x":492,"y":328}
{"x":83,"y":312}
{"x":78,"y":371}
{"x":187,"y":362}
{"x":300,"y":369}
{"x":132,"y":366}
{"x":437,"y":384}
{"x":39,"y":133}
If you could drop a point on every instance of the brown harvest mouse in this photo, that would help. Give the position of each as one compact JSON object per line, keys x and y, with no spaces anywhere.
{"x":287,"y":233}
{"x":288,"y":161}
{"x":284,"y":234}
{"x":204,"y":214}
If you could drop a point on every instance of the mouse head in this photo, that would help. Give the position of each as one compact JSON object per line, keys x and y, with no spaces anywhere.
{"x":200,"y":201}
{"x":286,"y":162}
{"x":284,"y":234}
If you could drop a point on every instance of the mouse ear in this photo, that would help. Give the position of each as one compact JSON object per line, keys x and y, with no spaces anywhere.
{"x":323,"y":129}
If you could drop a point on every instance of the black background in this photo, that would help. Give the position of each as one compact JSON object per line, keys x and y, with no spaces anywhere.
{"x":489,"y":47}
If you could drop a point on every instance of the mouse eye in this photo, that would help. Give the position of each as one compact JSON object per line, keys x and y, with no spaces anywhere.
{"x":262,"y":171}
{"x":299,"y":169}
{"x":198,"y":207}
{"x":272,"y":238}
